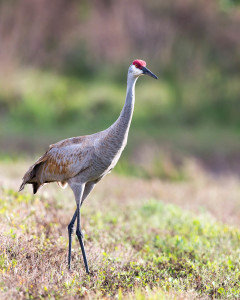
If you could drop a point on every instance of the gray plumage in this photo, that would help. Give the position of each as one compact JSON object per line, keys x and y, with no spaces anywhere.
{"x":83,"y":161}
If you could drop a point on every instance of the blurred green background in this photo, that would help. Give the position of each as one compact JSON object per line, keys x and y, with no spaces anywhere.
{"x":63,"y":73}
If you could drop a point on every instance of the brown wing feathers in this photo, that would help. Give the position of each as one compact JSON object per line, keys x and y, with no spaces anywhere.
{"x":57,"y":164}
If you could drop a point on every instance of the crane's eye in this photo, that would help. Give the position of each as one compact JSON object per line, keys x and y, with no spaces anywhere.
{"x":137,"y":66}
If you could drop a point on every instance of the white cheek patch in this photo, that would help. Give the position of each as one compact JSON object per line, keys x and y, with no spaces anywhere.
{"x":136,"y":71}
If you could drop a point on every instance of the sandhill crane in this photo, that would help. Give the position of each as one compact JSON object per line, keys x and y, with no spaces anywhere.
{"x":83,"y":161}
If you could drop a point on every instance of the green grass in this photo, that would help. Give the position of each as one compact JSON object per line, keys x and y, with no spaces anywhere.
{"x":133,"y":248}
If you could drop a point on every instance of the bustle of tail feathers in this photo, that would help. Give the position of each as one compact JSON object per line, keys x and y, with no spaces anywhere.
{"x":35,"y":186}
{"x":31,"y":173}
{"x":21,"y":187}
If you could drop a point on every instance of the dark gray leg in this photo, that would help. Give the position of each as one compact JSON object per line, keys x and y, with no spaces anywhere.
{"x":88,"y":188}
{"x":80,"y":238}
{"x":70,"y":231}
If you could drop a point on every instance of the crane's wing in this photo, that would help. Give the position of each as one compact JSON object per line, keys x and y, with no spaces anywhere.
{"x":61,"y":162}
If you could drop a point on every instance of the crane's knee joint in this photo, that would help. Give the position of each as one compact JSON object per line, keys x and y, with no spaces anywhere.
{"x":70,"y":228}
{"x":79,"y":233}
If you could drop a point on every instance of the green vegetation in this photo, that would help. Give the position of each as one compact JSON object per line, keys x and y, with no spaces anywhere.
{"x":133,"y":248}
{"x":40,"y":108}
{"x":70,"y":80}
{"x":51,"y":102}
{"x":63,"y":74}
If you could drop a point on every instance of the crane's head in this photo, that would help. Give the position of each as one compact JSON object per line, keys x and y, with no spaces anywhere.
{"x":138,"y":67}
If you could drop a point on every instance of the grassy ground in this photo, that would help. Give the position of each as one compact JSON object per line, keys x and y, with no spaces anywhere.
{"x":138,"y":244}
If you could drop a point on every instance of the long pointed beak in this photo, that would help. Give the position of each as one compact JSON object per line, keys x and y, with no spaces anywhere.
{"x":148,"y":72}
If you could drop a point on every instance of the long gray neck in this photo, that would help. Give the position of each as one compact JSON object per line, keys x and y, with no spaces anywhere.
{"x":127,"y":111}
{"x":122,"y":124}
{"x":114,"y":138}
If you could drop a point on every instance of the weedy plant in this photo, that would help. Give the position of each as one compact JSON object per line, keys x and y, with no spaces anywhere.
{"x":138,"y":250}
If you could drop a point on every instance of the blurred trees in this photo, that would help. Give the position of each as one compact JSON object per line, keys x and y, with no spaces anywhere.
{"x":45,"y":32}
{"x":193,"y":44}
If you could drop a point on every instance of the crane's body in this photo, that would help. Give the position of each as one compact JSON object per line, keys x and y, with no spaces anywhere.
{"x":83,"y":161}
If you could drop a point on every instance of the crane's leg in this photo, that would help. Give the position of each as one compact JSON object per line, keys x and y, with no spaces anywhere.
{"x":80,"y":238}
{"x":70,"y":231}
{"x":88,"y":188}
